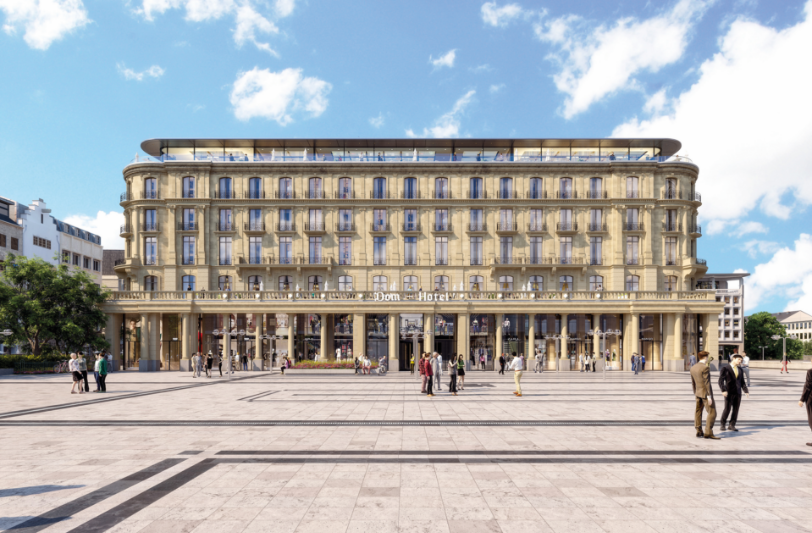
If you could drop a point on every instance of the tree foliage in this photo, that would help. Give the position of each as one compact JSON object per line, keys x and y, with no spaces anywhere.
{"x":758,"y":331}
{"x":48,"y":307}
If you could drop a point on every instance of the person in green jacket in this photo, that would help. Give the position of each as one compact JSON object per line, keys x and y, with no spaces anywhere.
{"x":102,"y":366}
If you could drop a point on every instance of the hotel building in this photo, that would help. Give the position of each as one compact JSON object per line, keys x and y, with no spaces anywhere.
{"x":331,"y":248}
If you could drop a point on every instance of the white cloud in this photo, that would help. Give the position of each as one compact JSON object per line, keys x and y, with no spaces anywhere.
{"x":43,"y":21}
{"x":105,"y":225}
{"x":129,"y":74}
{"x":597,"y":62}
{"x":479,"y":69}
{"x":500,"y":16}
{"x":656,"y":102}
{"x":750,"y":226}
{"x":378,"y":121}
{"x":248,"y":21}
{"x":448,"y":125}
{"x":746,"y":122}
{"x":496,"y":88}
{"x":445,"y":60}
{"x":277,"y":95}
{"x":757,"y":247}
{"x":788,"y":274}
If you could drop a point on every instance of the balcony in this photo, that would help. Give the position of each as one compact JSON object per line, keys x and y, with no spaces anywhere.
{"x":566,"y":227}
{"x":410,"y":195}
{"x":226,"y":227}
{"x":670,"y":262}
{"x":223,"y":195}
{"x":535,"y":260}
{"x":187,"y":261}
{"x":672,"y":227}
{"x":566,"y":195}
{"x":254,"y":195}
{"x":317,"y":194}
{"x":632,"y":260}
{"x":442,"y":195}
{"x":478,"y":195}
{"x":508,"y":261}
{"x":379,"y":195}
{"x":631,"y":195}
{"x":125,"y":197}
{"x":596,"y":228}
{"x":410,"y":227}
{"x":506,"y":195}
{"x":346,"y":227}
{"x":696,"y":231}
{"x":441,"y":261}
{"x":285,"y":227}
{"x":151,"y":260}
{"x":536,"y":195}
{"x":379,"y":228}
{"x":477,"y":227}
{"x":225,"y":261}
{"x":597,"y":195}
{"x":254,"y":227}
{"x":125,"y":230}
{"x":441,"y":228}
{"x":150,"y":195}
{"x":151,"y":227}
{"x":345,"y":195}
{"x":314,"y":228}
{"x":535,"y":227}
{"x":188,"y":226}
{"x":699,"y":261}
{"x":596,"y":261}
{"x":632,"y":226}
{"x":671,"y":194}
{"x":507,"y":228}
{"x":284,"y":195}
{"x":252,"y":260}
{"x":696,"y":197}
{"x":566,"y":260}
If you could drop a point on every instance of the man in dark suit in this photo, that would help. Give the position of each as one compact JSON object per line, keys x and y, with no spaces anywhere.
{"x":806,"y":397}
{"x":703,"y":392}
{"x":731,"y":381}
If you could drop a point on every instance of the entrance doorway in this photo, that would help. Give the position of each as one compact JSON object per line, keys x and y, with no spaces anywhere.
{"x":406,"y":353}
{"x":444,"y":347}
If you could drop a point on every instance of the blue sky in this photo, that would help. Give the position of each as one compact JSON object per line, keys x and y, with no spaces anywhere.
{"x":85,"y":81}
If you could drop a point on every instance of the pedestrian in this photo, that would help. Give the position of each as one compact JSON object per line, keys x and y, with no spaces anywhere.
{"x":438,"y":376}
{"x":452,"y":375}
{"x":103,"y":371}
{"x":283,"y":365}
{"x":357,"y":365}
{"x":745,"y":366}
{"x":731,"y":381}
{"x":703,"y":393}
{"x":219,"y":359}
{"x":502,"y":362}
{"x":429,"y":368}
{"x":518,"y":368}
{"x":368,"y":365}
{"x":806,"y":398}
{"x":424,"y":377}
{"x":83,"y":370}
{"x":581,"y":362}
{"x":461,"y":372}
{"x":643,"y":359}
{"x":634,"y":363}
{"x":482,"y":361}
{"x":73,"y":366}
{"x":245,"y":362}
{"x":209,"y":363}
{"x":197,"y":363}
{"x":784,"y":363}
{"x":96,"y":372}
{"x":691,"y":360}
{"x":588,"y":362}
{"x":411,"y":364}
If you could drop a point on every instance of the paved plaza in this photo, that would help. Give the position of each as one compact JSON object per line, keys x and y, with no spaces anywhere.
{"x":308,"y":452}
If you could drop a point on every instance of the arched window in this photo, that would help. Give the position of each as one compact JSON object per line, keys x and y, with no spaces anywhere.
{"x":379,"y":188}
{"x":506,"y":188}
{"x":225,"y":188}
{"x":632,"y":283}
{"x":285,"y":283}
{"x":596,"y":283}
{"x":505,"y":283}
{"x":410,"y":188}
{"x":285,"y":188}
{"x":345,"y":283}
{"x":441,"y":188}
{"x":150,"y":283}
{"x":536,"y":283}
{"x":255,"y":188}
{"x":150,"y":188}
{"x":476,"y":283}
{"x":314,"y":189}
{"x":188,"y":187}
{"x":188,"y":283}
{"x":595,"y":188}
{"x":314,"y":283}
{"x":224,"y":283}
{"x":254,"y":283}
{"x":475,"y":190}
{"x":379,"y":283}
{"x":565,"y":283}
{"x":409,"y":283}
{"x":345,"y":188}
{"x":440,"y":283}
{"x":536,"y":190}
{"x":670,"y":283}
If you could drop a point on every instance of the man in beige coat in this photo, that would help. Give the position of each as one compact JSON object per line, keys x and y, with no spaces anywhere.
{"x":700,"y":380}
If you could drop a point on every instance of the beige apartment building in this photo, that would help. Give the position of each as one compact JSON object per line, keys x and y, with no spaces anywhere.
{"x":326,"y":249}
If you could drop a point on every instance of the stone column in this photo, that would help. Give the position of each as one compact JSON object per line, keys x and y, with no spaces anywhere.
{"x":394,"y":342}
{"x":186,"y":342}
{"x":531,"y":337}
{"x":200,"y":252}
{"x":711,"y":331}
{"x":563,"y":356}
{"x":596,"y":340}
{"x":634,"y":342}
{"x":678,"y":356}
{"x":428,"y":330}
{"x":323,"y":349}
{"x":497,"y":349}
{"x":292,"y":337}
{"x":143,"y":357}
{"x":463,"y":335}
{"x":155,"y":341}
{"x":112,"y":333}
{"x":359,"y":335}
{"x":226,"y":359}
{"x":256,"y":364}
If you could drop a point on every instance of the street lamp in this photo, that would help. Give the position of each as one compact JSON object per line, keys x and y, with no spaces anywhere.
{"x":776,"y":337}
{"x":604,"y":334}
{"x":762,"y":352}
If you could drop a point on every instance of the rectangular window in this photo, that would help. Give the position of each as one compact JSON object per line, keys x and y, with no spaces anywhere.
{"x":225,"y":220}
{"x":477,"y":221}
{"x":565,"y":250}
{"x":379,"y":220}
{"x":150,"y":252}
{"x":66,"y":257}
{"x":345,"y":220}
{"x":285,"y":250}
{"x":2,"y":239}
{"x":475,"y":189}
{"x":670,"y":220}
{"x":189,"y":220}
{"x":535,"y":250}
{"x":441,"y":219}
{"x":15,"y":243}
{"x":188,"y":187}
{"x":536,"y":220}
{"x":596,"y":250}
{"x":410,"y":220}
{"x":315,"y":251}
{"x":565,"y":219}
{"x":631,"y":187}
{"x":506,"y":250}
{"x":77,"y":258}
{"x":670,"y":250}
{"x":345,"y":250}
{"x":632,"y":250}
{"x":189,"y":250}
{"x":410,"y":188}
{"x":595,"y":219}
{"x":410,"y":251}
{"x":379,"y":251}
{"x":441,"y":250}
{"x":225,"y":250}
{"x":632,"y":218}
{"x":315,"y":221}
{"x":86,"y":263}
{"x":255,"y":250}
{"x":345,"y":188}
{"x":476,"y":250}
{"x":286,"y":220}
{"x":506,"y":219}
{"x":255,"y":220}
{"x":285,"y":188}
{"x":150,"y":220}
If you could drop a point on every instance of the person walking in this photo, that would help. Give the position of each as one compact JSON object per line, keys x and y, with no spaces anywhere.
{"x":73,"y":366}
{"x":502,"y":362}
{"x":411,"y":365}
{"x":745,"y":366}
{"x":581,"y":361}
{"x":634,"y":363}
{"x":429,"y":367}
{"x":452,"y":375}
{"x":424,"y":377}
{"x":643,"y":362}
{"x":83,"y":370}
{"x":731,"y":382}
{"x":197,"y":364}
{"x":209,"y":364}
{"x":518,"y":369}
{"x":806,"y":398}
{"x":96,"y":372}
{"x":588,"y":362}
{"x":703,"y":392}
{"x":784,"y":363}
{"x":219,"y":358}
{"x":103,"y":371}
{"x":461,"y":372}
{"x":283,"y":365}
{"x":438,"y":376}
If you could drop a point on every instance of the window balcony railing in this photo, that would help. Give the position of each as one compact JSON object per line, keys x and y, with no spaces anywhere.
{"x":117,"y":262}
{"x":567,"y":260}
{"x":285,"y":226}
{"x":188,"y":260}
{"x":225,"y":260}
{"x":477,"y":226}
{"x":125,"y":197}
{"x":345,"y":195}
{"x":442,"y":227}
{"x":188,"y":195}
{"x":697,"y":230}
{"x":632,"y":261}
{"x":314,"y":226}
{"x":672,"y":226}
{"x":632,"y":194}
{"x":671,"y":194}
{"x":596,"y":260}
{"x":442,"y":195}
{"x":699,"y":261}
{"x":478,"y":195}
{"x":187,"y":226}
{"x":632,"y":226}
{"x":411,"y":226}
{"x":535,"y":260}
{"x":507,"y":226}
{"x":317,"y":194}
{"x":476,"y":260}
{"x":597,"y":195}
{"x":254,"y":226}
{"x":126,"y":228}
{"x":536,"y":195}
{"x":536,"y":227}
{"x":379,"y":227}
{"x":151,"y":260}
{"x":379,"y":261}
{"x":379,"y":195}
{"x":596,"y":227}
{"x":254,"y":195}
{"x":505,"y":195}
{"x":441,"y":261}
{"x":223,"y":195}
{"x":567,"y":195}
{"x":149,"y":195}
{"x":225,"y":226}
{"x":410,"y":260}
{"x":566,"y":226}
{"x":284,"y":195}
{"x":151,"y":226}
{"x":345,"y":226}
{"x":507,"y":260}
{"x":696,"y":197}
{"x":670,"y":262}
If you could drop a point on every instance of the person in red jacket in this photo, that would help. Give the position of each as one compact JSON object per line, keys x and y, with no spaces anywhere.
{"x":421,"y":367}
{"x":427,"y":368}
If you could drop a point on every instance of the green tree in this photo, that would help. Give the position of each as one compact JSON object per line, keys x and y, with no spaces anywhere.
{"x":758,"y":331}
{"x":44,"y":306}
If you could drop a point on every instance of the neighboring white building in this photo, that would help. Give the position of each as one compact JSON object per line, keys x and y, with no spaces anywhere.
{"x":81,"y":250}
{"x":730,"y":290}
{"x":797,"y":323}
{"x":40,"y":236}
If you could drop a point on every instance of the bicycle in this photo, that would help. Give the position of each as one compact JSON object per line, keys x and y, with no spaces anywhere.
{"x":61,"y":367}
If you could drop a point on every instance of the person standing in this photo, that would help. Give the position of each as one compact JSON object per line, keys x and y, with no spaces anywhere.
{"x":518,"y":370}
{"x":784,"y":363}
{"x":411,"y":364}
{"x":103,"y":371}
{"x":357,"y":365}
{"x":482,"y":361}
{"x":691,"y":360}
{"x":438,"y":376}
{"x":219,"y":361}
{"x":634,"y":363}
{"x":745,"y":366}
{"x":643,"y":362}
{"x":196,"y":364}
{"x":806,"y":398}
{"x":581,"y":361}
{"x":461,"y":372}
{"x":502,"y":362}
{"x":83,"y":370}
{"x":421,"y":369}
{"x":429,"y":368}
{"x":731,"y":382}
{"x":452,"y":375}
{"x":96,"y":372}
{"x":703,"y":392}
{"x":73,"y":366}
{"x":209,"y":364}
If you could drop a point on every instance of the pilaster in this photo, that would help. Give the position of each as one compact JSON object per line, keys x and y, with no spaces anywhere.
{"x":394,"y":339}
{"x":497,"y":351}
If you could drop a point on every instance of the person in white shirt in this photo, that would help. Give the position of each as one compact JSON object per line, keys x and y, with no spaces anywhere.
{"x":438,"y":376}
{"x":745,"y":366}
{"x":517,"y":367}
{"x":73,"y":366}
{"x":581,"y":361}
{"x":197,"y":365}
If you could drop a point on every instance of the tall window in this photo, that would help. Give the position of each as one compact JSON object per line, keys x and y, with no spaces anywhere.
{"x":188,"y":250}
{"x":536,"y":283}
{"x":188,"y":219}
{"x":632,"y":250}
{"x":188,"y":187}
{"x":595,"y":219}
{"x":441,"y":219}
{"x":596,"y":250}
{"x":565,"y":219}
{"x":285,"y":188}
{"x":632,"y":219}
{"x":505,"y":283}
{"x":314,"y":283}
{"x":150,"y":188}
{"x":345,"y":250}
{"x":441,"y":188}
{"x":150,"y":220}
{"x":315,"y":251}
{"x":379,"y":251}
{"x":344,"y":219}
{"x":344,"y":188}
{"x":565,"y":250}
{"x":536,"y":220}
{"x":225,"y":220}
{"x":670,"y":220}
{"x":285,"y":250}
{"x":506,"y":219}
{"x":670,"y":250}
{"x":632,"y":283}
{"x":535,"y":250}
{"x":379,"y":283}
{"x":410,"y":251}
{"x":441,"y":250}
{"x":410,"y":220}
{"x":314,"y":189}
{"x":506,"y":188}
{"x":596,"y":283}
{"x":477,"y":221}
{"x":410,"y":188}
{"x":150,"y":251}
{"x":476,"y":250}
{"x":565,"y":283}
{"x":255,"y":188}
{"x":670,"y":283}
{"x":255,"y":250}
{"x":255,"y":220}
{"x":225,"y":250}
{"x":476,"y":283}
{"x":565,"y":188}
{"x":345,"y":283}
{"x":224,"y":283}
{"x":440,"y":283}
{"x":536,"y":191}
{"x":595,"y":188}
{"x":285,"y":283}
{"x":475,"y":190}
{"x":632,"y":190}
{"x":379,"y":188}
{"x":150,"y":283}
{"x":379,"y":219}
{"x":286,"y":219}
{"x":409,"y":283}
{"x":188,"y":283}
{"x":506,"y":250}
{"x":225,"y":188}
{"x":671,"y":188}
{"x":314,"y":220}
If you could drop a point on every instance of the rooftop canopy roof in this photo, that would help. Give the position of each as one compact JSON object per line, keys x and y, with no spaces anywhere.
{"x":157,"y":147}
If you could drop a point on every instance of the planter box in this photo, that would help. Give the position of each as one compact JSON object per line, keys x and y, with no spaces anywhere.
{"x":794,"y":364}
